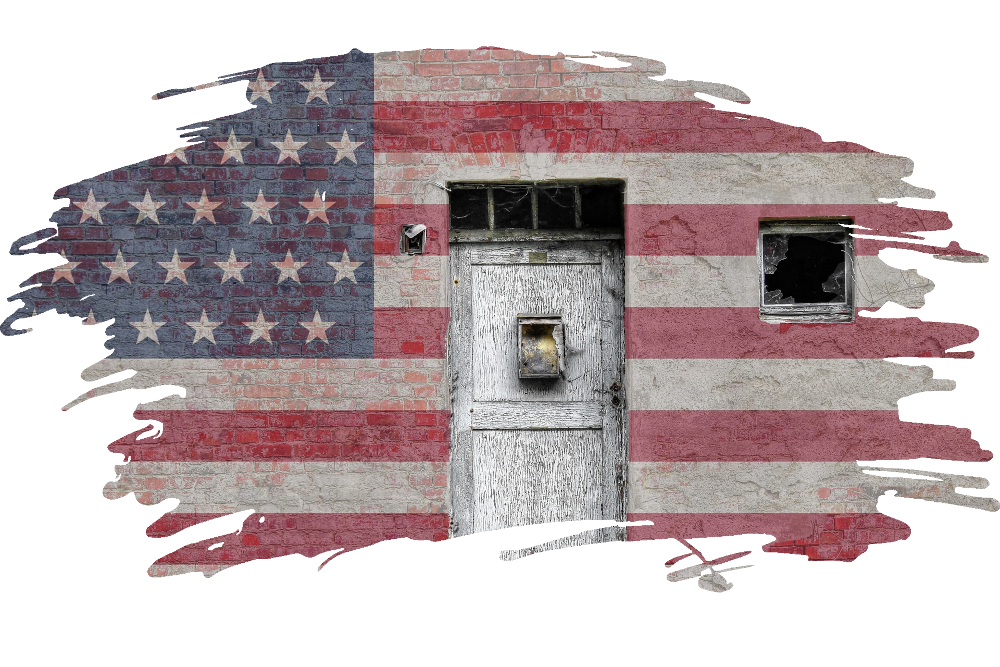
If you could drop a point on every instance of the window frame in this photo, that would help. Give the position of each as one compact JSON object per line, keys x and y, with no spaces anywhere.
{"x":808,"y":312}
{"x":491,"y":233}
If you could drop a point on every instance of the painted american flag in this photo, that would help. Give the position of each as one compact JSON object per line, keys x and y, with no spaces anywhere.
{"x":258,"y":268}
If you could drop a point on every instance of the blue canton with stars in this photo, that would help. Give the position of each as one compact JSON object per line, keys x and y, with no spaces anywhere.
{"x":255,"y":239}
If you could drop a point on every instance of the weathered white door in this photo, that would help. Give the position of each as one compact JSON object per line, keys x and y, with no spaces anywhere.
{"x":528,"y":451}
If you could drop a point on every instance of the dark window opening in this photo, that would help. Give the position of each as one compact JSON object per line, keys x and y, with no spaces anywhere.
{"x":810,"y":268}
{"x":470,"y":209}
{"x":601,"y":207}
{"x":511,"y":207}
{"x":557,"y":208}
{"x":806,"y":271}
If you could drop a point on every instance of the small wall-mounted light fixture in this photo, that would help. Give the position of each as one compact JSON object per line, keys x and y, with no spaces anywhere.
{"x":541,"y":346}
{"x":411,"y":239}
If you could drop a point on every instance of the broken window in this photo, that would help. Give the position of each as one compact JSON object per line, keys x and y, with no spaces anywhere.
{"x":806,"y":271}
{"x":591,"y":206}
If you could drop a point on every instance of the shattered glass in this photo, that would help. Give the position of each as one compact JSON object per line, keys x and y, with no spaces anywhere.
{"x":804,"y":268}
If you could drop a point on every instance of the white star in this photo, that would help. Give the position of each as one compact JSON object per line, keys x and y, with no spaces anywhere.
{"x":317,"y":208}
{"x":176,"y":153}
{"x":232,"y":148}
{"x":316,"y":88}
{"x":345,"y":268}
{"x":91,"y":209}
{"x":261,"y":88}
{"x":345,"y":148}
{"x":288,"y":147}
{"x":147,"y":208}
{"x":261,"y":207}
{"x":175,"y":269}
{"x":64,"y":271}
{"x":90,"y":318}
{"x":289,"y":268}
{"x":147,"y":328}
{"x":317,"y":328}
{"x":203,"y":328}
{"x":260,"y":328}
{"x":203,"y":208}
{"x":232,"y":268}
{"x":119,"y":268}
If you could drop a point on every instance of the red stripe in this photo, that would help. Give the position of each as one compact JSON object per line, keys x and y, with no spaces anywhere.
{"x":403,"y":333}
{"x":306,"y":534}
{"x":390,"y":218}
{"x":793,"y":435}
{"x":731,"y":229}
{"x":818,"y":536}
{"x":335,"y":435}
{"x":587,"y":127}
{"x":739,"y":333}
{"x":698,"y":229}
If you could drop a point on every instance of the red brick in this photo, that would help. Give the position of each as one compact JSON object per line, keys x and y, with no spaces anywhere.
{"x":432,"y":55}
{"x":462,"y":69}
{"x":164,"y":174}
{"x":525,"y":67}
{"x":842,"y":522}
{"x":434,"y":69}
{"x":548,"y":80}
{"x":446,"y":83}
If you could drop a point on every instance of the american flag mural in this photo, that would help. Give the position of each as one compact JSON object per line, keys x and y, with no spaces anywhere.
{"x":258,"y":267}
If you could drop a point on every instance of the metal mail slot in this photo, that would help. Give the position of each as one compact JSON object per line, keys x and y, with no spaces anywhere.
{"x":541,"y":346}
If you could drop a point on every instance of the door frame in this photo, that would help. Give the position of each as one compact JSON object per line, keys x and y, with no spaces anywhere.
{"x":614,"y":477}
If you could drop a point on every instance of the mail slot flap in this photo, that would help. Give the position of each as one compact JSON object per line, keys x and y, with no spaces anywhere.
{"x":537,"y":415}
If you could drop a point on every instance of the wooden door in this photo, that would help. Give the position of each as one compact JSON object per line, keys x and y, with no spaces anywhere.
{"x":528,"y":451}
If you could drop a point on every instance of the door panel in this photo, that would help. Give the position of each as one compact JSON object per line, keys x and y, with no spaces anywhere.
{"x":500,"y":293}
{"x":536,"y":450}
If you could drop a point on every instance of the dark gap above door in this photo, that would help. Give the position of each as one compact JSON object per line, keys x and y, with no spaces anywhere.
{"x":539,"y":210}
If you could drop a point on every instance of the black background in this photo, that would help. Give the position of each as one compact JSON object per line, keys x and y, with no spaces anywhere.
{"x":85,"y":108}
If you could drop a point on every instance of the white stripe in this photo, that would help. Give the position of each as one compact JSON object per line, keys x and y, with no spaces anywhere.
{"x":171,"y":569}
{"x":395,"y":80}
{"x":220,"y":487}
{"x":786,"y":486}
{"x":774,"y":384}
{"x":965,"y":259}
{"x":411,"y":281}
{"x":665,"y":281}
{"x":733,"y":281}
{"x":282,"y":384}
{"x":663,"y":178}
